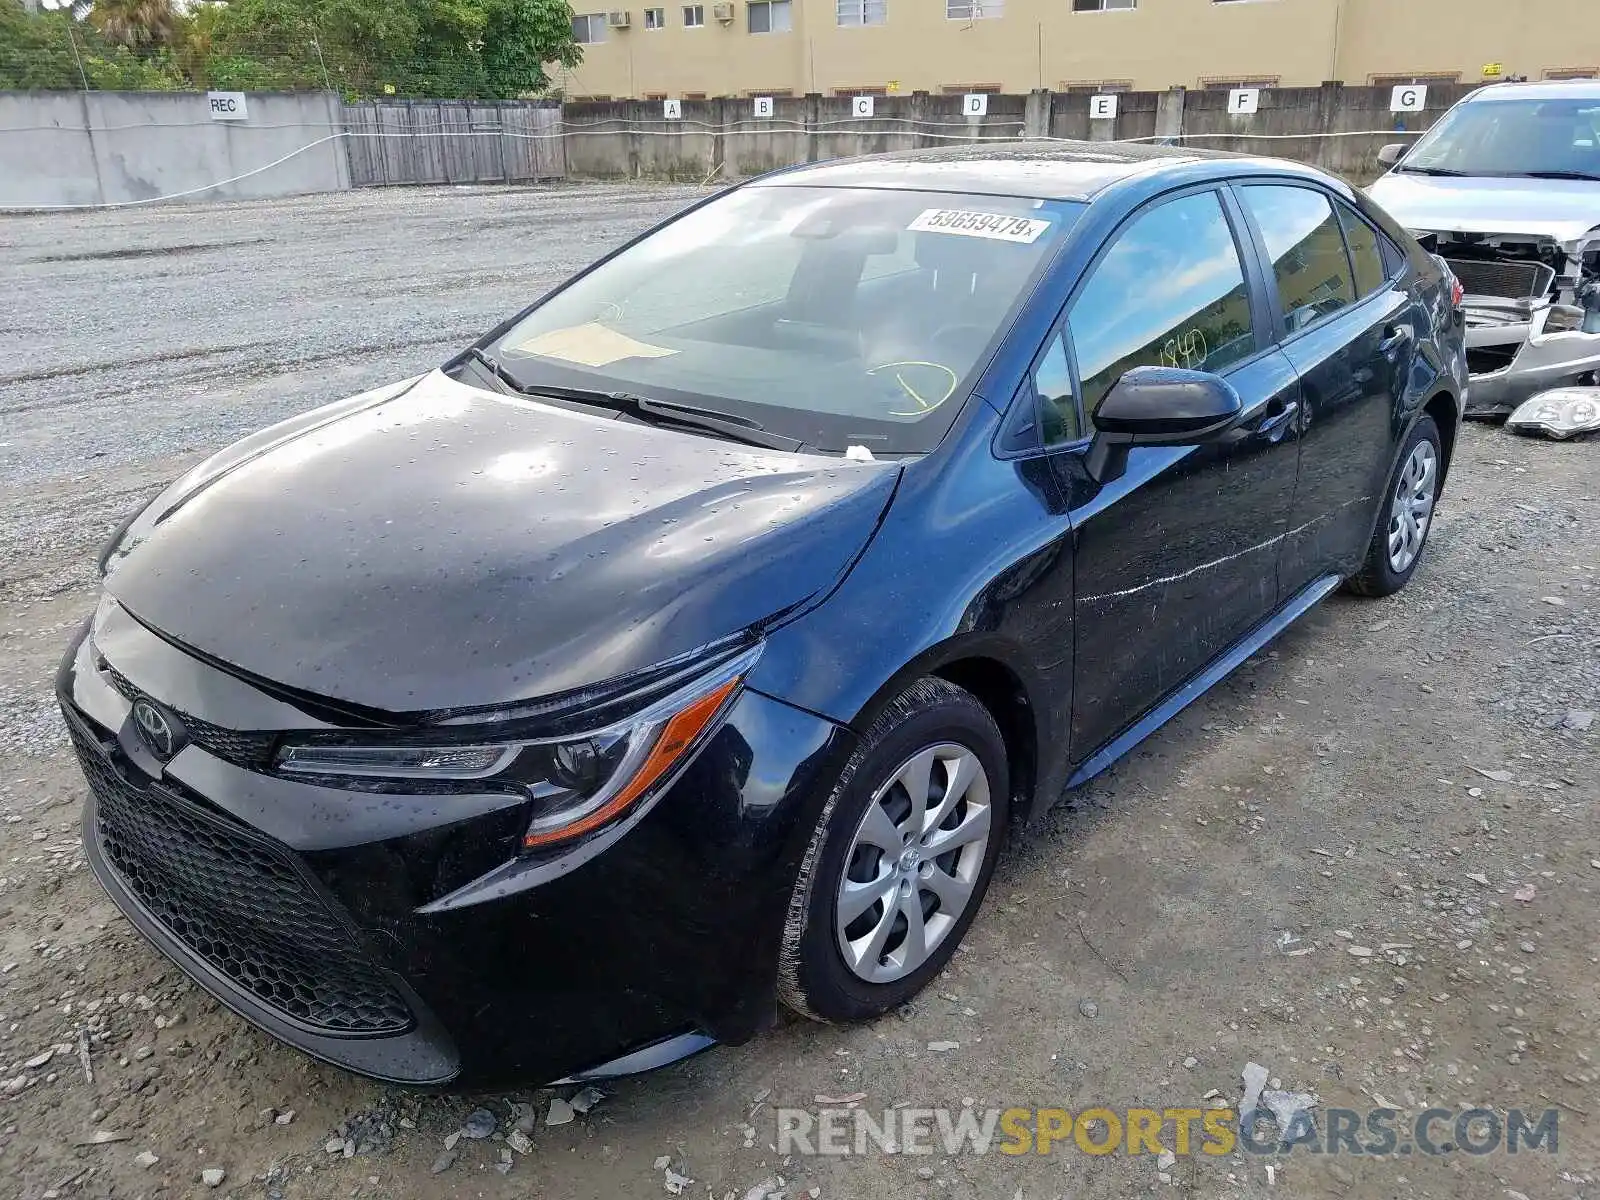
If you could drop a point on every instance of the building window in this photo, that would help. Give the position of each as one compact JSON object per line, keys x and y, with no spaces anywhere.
{"x":1571,"y":73}
{"x":775,"y":93}
{"x":694,"y":16}
{"x":973,"y":10}
{"x":769,"y":16}
{"x":1244,"y":81}
{"x":970,"y":89}
{"x":1103,"y":5}
{"x":694,"y":96}
{"x":861,"y":12}
{"x":589,"y":28}
{"x":655,"y":18}
{"x":1419,"y":77}
{"x":1090,"y":87}
{"x":876,"y":89}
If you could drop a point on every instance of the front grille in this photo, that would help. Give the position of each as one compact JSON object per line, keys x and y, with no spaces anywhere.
{"x":245,"y":749}
{"x":1492,"y":277}
{"x":237,"y":902}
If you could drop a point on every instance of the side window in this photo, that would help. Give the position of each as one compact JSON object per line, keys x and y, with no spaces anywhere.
{"x":1058,"y":407}
{"x":1306,"y":248}
{"x":1170,"y":292}
{"x":1365,"y":256}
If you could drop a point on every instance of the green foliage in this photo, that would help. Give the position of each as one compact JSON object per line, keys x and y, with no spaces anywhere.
{"x":489,"y":49}
{"x":37,"y":53}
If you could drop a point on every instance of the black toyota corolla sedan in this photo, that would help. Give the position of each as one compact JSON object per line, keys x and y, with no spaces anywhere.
{"x":691,"y":643}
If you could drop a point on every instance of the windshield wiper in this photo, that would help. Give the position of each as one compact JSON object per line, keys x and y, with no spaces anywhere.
{"x":1587,"y":175}
{"x":494,"y":368}
{"x":665,"y":412}
{"x":1408,"y":169}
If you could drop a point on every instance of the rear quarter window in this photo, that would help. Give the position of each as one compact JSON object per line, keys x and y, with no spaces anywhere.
{"x":1366,"y":252}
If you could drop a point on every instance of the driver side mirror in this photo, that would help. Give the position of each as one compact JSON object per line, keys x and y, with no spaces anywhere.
{"x":1159,"y":406}
{"x":1391,"y":154}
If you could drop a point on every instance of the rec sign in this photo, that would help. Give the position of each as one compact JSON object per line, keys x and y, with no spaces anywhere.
{"x":227,"y":106}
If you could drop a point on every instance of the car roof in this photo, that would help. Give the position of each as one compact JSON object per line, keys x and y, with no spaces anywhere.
{"x":1038,"y":169}
{"x":1569,"y":89}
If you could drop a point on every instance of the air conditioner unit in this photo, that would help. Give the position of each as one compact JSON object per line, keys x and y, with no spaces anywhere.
{"x":723,"y":13}
{"x":617,"y":19}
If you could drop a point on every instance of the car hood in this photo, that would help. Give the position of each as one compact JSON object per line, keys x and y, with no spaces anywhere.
{"x":1561,"y":209}
{"x":434,"y":546}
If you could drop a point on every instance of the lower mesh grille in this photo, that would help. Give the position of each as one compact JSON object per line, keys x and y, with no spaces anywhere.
{"x":237,"y":902}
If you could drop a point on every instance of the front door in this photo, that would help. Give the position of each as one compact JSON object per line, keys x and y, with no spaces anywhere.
{"x":1177,"y":559}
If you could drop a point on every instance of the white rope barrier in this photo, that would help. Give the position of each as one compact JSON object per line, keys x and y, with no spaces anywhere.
{"x":625,"y":131}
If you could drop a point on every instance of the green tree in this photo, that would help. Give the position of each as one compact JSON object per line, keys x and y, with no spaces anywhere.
{"x":521,"y":37}
{"x":422,"y":48}
{"x":134,"y":24}
{"x":34,"y":50}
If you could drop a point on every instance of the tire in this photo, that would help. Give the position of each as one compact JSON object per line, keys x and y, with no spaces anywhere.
{"x":932,"y":722}
{"x":1388,"y":569}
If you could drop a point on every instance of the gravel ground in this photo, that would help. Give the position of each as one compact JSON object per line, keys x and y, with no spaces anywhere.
{"x":1370,"y":861}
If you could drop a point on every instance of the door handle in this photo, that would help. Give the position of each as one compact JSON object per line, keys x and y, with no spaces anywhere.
{"x":1275,"y":423}
{"x":1395,"y":339}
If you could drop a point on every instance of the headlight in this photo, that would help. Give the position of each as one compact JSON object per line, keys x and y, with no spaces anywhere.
{"x":577,"y":783}
{"x":1560,"y":413}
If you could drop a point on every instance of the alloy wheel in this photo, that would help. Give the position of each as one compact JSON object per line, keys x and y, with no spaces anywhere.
{"x":1412,"y":508}
{"x":913,"y":863}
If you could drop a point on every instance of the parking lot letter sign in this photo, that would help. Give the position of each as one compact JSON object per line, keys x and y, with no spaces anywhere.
{"x":1103,"y":107}
{"x":763,"y":106}
{"x":227,"y":106}
{"x":974,"y":104}
{"x":1244,"y":102}
{"x":861,"y":106}
{"x":672,"y":110}
{"x":1409,"y":97}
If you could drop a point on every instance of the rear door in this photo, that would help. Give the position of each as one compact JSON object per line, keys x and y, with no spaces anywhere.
{"x":1177,"y":559}
{"x":1351,"y":330}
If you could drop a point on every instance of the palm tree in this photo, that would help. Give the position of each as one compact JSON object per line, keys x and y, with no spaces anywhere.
{"x":135,"y":23}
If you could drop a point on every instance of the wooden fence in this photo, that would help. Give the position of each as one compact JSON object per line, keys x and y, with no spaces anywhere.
{"x":453,"y":141}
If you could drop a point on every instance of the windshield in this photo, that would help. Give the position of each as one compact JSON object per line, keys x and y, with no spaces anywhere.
{"x":1513,"y":137}
{"x":833,"y":316}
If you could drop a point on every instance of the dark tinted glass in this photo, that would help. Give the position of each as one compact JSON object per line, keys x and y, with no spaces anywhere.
{"x":1058,"y":407}
{"x":1365,"y":256}
{"x":1307,"y":251}
{"x":1169,"y":292}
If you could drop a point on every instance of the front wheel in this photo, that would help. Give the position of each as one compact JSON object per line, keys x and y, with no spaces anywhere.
{"x":900,"y":859}
{"x":1402,"y":530}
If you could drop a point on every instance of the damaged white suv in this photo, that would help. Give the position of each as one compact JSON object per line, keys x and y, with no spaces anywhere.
{"x":1508,"y":182}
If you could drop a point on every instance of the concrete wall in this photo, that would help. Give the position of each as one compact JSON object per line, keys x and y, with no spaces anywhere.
{"x":69,"y":148}
{"x":1022,"y":45}
{"x":1337,"y":128}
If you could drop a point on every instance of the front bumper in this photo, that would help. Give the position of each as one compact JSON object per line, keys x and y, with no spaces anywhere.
{"x":399,"y":936}
{"x":1515,"y":354}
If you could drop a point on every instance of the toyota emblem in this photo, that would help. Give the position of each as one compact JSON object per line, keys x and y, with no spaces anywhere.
{"x":158,"y":730}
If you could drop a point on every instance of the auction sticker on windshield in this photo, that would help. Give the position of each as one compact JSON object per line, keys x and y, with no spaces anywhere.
{"x":998,"y":226}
